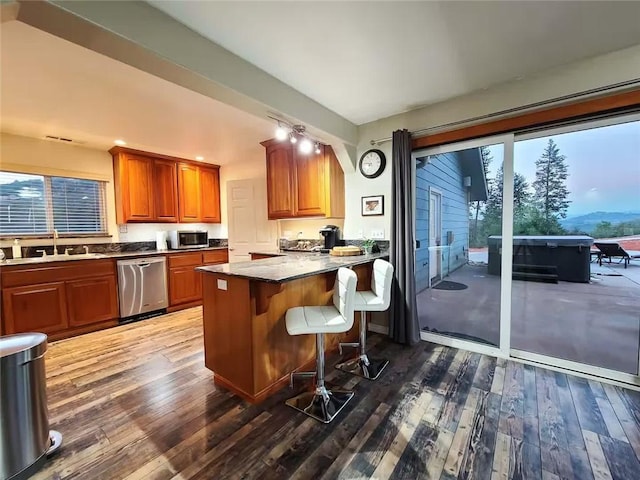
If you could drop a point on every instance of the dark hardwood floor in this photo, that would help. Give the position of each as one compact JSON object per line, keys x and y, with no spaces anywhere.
{"x":136,"y":402}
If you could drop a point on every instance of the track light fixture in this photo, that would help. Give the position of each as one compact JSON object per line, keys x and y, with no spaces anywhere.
{"x":295,"y":132}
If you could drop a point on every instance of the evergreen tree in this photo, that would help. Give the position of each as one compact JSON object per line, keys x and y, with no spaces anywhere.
{"x":486,"y":157}
{"x":521,"y":201}
{"x":551,"y":193}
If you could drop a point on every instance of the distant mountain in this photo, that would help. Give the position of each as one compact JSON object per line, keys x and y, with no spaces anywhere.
{"x":588,"y":222}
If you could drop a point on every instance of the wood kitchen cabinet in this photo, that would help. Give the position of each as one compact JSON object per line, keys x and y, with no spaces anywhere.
{"x":189,"y":192}
{"x":165,"y":188}
{"x":209,"y":195}
{"x":35,"y":308}
{"x":157,"y":188}
{"x":185,"y":283}
{"x":92,"y":300}
{"x":60,"y":299}
{"x":303,"y":185}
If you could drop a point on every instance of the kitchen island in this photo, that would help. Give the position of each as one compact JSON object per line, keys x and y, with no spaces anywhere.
{"x":244,"y":304}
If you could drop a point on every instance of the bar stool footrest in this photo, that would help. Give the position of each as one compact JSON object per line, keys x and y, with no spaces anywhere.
{"x":294,"y":375}
{"x":352,"y":344}
{"x":323,"y":407}
{"x":357,"y":366}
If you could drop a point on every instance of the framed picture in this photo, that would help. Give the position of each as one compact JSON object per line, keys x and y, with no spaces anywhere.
{"x":373,"y":205}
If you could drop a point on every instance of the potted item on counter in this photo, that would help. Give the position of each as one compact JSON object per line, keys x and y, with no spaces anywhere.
{"x":368,"y":245}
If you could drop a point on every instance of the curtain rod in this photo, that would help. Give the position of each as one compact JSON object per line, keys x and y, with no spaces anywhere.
{"x":530,"y":106}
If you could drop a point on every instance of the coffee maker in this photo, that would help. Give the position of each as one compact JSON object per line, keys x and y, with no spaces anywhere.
{"x":331,"y":234}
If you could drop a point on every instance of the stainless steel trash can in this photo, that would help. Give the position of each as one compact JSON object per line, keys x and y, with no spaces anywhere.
{"x":25,"y":439}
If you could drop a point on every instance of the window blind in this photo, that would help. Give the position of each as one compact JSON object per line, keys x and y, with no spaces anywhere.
{"x":37,"y":204}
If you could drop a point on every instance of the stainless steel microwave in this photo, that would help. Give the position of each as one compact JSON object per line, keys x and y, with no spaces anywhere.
{"x":188,"y":239}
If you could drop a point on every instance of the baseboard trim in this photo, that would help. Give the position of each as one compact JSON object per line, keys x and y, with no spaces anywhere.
{"x":373,"y":327}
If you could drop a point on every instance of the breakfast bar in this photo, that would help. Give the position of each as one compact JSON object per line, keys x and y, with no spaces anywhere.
{"x":244,"y":304}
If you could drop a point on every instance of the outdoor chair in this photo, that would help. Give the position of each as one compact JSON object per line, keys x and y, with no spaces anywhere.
{"x":614,"y":250}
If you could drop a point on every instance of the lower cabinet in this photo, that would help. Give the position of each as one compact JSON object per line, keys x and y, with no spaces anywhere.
{"x":185,"y":285}
{"x":35,"y":308}
{"x":59,"y":299}
{"x":92,"y":300}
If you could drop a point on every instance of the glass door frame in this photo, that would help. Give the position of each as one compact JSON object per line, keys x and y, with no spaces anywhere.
{"x":504,"y":349}
{"x":508,"y":180}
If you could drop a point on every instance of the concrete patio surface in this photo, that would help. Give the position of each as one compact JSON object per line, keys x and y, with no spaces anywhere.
{"x":596,"y":323}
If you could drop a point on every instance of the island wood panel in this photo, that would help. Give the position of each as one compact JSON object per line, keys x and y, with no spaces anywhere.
{"x":165,"y":188}
{"x":258,"y":336}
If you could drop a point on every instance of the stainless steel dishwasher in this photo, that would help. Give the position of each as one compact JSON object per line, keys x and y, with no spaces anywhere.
{"x":142,"y":285}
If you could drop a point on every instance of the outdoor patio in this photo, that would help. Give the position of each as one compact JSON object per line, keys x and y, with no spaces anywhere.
{"x":596,"y":323}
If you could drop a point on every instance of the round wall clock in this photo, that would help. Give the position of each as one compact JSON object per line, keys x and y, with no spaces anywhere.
{"x":372,"y":163}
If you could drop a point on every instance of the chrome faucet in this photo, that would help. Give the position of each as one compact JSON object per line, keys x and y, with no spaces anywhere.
{"x":55,"y":242}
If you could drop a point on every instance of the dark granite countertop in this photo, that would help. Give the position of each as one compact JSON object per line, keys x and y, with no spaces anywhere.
{"x":289,"y":266}
{"x":96,"y":256}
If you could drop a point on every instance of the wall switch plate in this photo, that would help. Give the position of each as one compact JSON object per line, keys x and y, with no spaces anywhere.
{"x":377,"y":234}
{"x":360,"y":234}
{"x":122,"y":228}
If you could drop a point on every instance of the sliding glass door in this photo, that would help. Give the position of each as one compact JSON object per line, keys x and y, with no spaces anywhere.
{"x":528,"y":246}
{"x":575,"y":295}
{"x":458,"y":300}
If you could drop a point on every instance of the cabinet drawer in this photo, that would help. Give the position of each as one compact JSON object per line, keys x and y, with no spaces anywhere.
{"x":185,"y":259}
{"x":52,"y":272}
{"x":215,"y":256}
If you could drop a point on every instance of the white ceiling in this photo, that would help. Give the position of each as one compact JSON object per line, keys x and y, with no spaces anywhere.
{"x":53,"y":87}
{"x":369,"y":60}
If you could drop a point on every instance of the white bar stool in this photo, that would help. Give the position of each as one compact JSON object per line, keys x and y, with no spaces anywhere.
{"x":377,"y":299}
{"x":323,"y":404}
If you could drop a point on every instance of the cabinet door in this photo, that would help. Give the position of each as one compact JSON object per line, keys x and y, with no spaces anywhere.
{"x":188,"y":192}
{"x":280,"y":181}
{"x":138,"y":194}
{"x":209,"y":195}
{"x":165,"y":189}
{"x":35,"y":308}
{"x":310,"y":184}
{"x":92,"y":300}
{"x":185,"y":285}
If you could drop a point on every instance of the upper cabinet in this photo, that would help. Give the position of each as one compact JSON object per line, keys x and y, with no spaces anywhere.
{"x":156,"y":188}
{"x":303,"y":185}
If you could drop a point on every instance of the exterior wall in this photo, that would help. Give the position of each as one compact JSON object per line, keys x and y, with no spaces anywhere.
{"x":443,"y":173}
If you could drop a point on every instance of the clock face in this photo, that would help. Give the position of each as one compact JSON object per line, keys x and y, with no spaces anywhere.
{"x":372,"y":163}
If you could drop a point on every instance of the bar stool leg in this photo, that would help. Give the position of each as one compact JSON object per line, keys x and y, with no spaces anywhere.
{"x":321,"y":404}
{"x":362,"y":365}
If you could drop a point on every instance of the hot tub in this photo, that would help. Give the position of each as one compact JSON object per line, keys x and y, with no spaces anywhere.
{"x":568,"y":255}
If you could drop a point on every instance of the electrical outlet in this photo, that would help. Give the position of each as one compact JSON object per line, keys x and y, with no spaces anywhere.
{"x":122,"y":228}
{"x":360,"y":234}
{"x":377,"y":234}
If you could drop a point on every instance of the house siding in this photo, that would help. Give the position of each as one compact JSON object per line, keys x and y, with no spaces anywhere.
{"x":443,"y":173}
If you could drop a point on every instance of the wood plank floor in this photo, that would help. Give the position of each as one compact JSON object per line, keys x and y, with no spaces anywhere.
{"x":136,"y":402}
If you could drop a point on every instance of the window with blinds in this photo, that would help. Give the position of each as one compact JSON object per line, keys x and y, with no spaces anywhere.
{"x":38,"y":204}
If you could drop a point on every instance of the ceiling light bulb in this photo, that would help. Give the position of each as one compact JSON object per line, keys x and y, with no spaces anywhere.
{"x":306,"y":146}
{"x":199,"y":158}
{"x":293,"y":138}
{"x":119,"y":142}
{"x":281,"y":133}
{"x":318,"y":151}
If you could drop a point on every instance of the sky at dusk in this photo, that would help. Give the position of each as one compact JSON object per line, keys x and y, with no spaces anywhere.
{"x":603,"y":165}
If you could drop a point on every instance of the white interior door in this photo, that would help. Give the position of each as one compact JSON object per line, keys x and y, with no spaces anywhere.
{"x":435,"y":233}
{"x":249,"y":228}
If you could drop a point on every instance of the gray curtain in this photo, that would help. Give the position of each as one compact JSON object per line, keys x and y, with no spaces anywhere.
{"x":403,"y":318}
